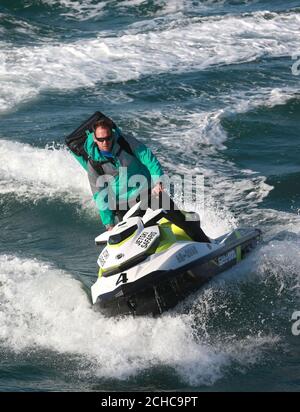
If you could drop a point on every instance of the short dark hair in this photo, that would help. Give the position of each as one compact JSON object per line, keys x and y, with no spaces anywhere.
{"x":104,"y":124}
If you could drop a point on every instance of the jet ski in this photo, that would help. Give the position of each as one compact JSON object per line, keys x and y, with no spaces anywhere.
{"x":149,"y":264}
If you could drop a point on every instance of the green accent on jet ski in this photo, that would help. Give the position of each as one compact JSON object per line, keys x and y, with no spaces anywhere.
{"x":170,"y":234}
{"x":102,"y":270}
{"x":107,"y":270}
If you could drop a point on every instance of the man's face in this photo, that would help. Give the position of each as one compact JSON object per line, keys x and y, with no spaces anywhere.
{"x":103,"y":133}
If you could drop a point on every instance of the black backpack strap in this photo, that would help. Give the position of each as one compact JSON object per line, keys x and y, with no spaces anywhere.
{"x":124,"y":145}
{"x":97,"y":166}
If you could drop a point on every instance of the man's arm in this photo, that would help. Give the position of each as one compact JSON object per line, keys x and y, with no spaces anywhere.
{"x":146,"y":157}
{"x":100,"y":195}
{"x":106,"y":214}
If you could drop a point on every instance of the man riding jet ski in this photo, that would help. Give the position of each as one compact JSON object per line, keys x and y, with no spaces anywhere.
{"x":111,"y":160}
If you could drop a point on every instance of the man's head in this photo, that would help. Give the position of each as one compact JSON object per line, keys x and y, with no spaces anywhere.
{"x":103,"y":136}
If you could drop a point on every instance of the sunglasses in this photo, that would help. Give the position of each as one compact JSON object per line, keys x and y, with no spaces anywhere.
{"x":103,"y":139}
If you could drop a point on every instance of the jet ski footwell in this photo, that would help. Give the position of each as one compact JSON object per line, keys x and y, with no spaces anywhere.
{"x":160,"y":290}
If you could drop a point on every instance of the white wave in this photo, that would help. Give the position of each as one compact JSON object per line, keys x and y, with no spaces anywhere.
{"x":14,"y":92}
{"x":91,"y":9}
{"x":239,"y":190}
{"x":16,"y":25}
{"x":169,"y":7}
{"x":197,"y":45}
{"x":34,"y":173}
{"x":80,"y":9}
{"x":131,"y":3}
{"x":230,"y":195}
{"x":227,"y":187}
{"x":203,"y":128}
{"x":280,"y":259}
{"x":45,"y":308}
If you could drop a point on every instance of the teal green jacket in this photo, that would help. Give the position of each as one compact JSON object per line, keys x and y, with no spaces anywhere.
{"x":142,"y":163}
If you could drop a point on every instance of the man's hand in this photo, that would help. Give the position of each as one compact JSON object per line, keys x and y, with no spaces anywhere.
{"x":157,"y":189}
{"x":109,"y":227}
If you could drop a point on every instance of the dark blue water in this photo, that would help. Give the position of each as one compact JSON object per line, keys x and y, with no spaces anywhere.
{"x":212,"y":87}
